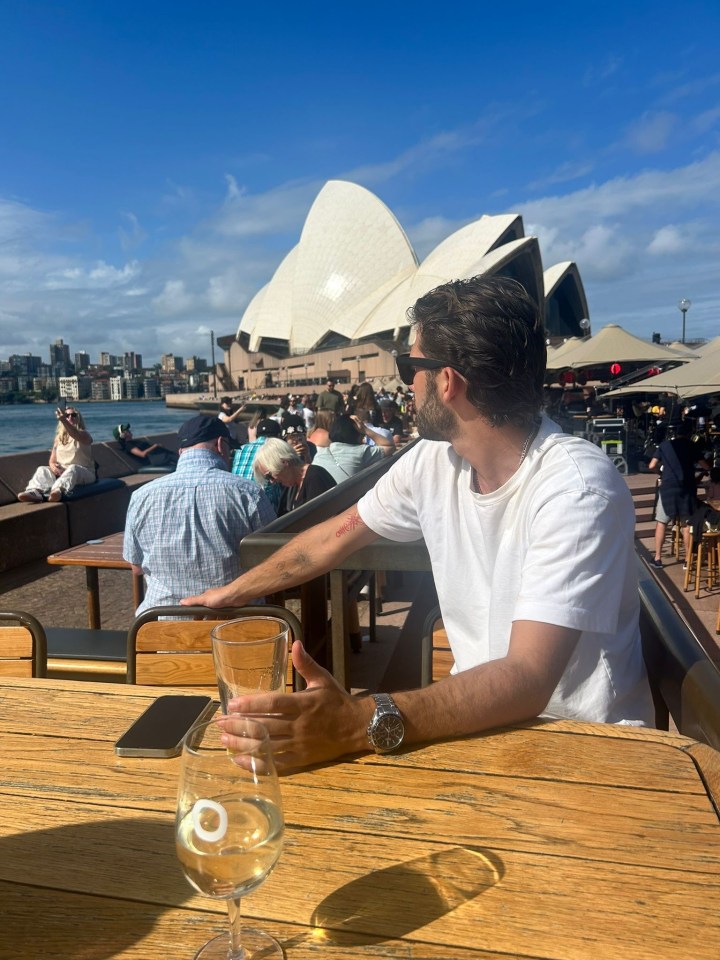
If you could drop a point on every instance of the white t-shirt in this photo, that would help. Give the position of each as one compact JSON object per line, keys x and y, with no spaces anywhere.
{"x":555,"y":544}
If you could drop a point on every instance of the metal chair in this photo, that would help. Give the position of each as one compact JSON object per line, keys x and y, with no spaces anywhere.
{"x":23,"y":645}
{"x":178,"y":653}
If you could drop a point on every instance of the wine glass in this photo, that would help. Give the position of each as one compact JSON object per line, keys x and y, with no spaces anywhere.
{"x":250,"y":656}
{"x":229,"y":825}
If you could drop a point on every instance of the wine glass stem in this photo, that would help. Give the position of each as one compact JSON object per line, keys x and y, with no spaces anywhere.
{"x":236,"y":949}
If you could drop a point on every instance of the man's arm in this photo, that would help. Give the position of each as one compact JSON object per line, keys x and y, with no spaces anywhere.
{"x":324,"y":722}
{"x":137,"y":452}
{"x":308,"y":555}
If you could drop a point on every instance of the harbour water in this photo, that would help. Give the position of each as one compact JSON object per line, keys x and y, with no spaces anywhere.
{"x":31,"y":426}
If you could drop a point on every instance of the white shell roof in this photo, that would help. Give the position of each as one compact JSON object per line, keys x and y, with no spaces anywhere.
{"x":469,"y":244}
{"x":355,"y":273}
{"x":270,"y":313}
{"x":350,"y":248}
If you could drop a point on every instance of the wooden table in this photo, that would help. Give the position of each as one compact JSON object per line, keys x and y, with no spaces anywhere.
{"x":107,"y":554}
{"x":551,"y":840}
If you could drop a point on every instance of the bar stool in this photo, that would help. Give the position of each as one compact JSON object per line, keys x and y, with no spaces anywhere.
{"x":676,"y":534}
{"x":707,"y":549}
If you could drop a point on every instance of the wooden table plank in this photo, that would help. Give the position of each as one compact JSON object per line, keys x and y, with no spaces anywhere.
{"x":82,"y":927}
{"x":600,"y":823}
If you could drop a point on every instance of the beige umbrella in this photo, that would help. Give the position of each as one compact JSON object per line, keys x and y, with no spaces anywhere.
{"x":556,"y":353}
{"x":693,"y":379}
{"x":614,"y":345}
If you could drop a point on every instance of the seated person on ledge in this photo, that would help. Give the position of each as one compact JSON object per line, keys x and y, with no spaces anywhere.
{"x":147,"y":454}
{"x":71,"y":461}
{"x":530,"y":534}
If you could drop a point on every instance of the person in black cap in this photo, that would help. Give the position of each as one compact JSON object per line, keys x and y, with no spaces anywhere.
{"x":183,"y":531}
{"x":148,"y":455}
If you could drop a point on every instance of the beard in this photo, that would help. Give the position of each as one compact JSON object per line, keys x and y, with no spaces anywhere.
{"x":432,"y":419}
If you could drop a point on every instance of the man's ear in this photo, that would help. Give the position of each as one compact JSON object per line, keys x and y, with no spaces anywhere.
{"x":451,"y":385}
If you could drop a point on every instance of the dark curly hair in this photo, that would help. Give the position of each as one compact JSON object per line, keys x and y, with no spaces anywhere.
{"x":491,"y":331}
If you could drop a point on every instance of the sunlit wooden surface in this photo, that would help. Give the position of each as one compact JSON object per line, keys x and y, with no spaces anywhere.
{"x":552,"y":840}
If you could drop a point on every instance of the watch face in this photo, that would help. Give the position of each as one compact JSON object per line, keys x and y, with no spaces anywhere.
{"x":388,"y":732}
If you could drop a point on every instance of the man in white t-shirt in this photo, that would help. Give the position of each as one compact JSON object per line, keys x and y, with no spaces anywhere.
{"x":530,"y":533}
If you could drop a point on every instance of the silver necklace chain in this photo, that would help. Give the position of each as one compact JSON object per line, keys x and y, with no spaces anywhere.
{"x":528,"y":443}
{"x":523,"y":453}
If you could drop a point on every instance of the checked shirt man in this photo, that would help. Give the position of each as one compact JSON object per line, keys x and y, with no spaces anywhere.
{"x":183,"y":530}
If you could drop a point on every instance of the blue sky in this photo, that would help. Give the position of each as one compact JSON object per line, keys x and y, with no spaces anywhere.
{"x":157,"y":160}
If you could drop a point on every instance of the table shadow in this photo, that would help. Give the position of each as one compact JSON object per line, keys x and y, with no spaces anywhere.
{"x":391,"y":903}
{"x":51,"y":907}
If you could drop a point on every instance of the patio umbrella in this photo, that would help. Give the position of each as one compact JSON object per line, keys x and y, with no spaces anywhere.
{"x":614,"y":345}
{"x":693,"y":379}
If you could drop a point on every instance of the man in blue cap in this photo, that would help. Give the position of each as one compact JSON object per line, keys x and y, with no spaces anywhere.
{"x":183,"y":530}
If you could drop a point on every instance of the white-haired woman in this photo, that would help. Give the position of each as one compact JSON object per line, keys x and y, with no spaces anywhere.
{"x":71,"y":462}
{"x":278,"y":462}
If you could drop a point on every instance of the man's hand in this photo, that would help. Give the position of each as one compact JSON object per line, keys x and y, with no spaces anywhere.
{"x":314,"y":725}
{"x":216,"y":597}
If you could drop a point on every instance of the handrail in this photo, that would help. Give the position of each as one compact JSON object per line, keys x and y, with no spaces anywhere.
{"x":680,"y":671}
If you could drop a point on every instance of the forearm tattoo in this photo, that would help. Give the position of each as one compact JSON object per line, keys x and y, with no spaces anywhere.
{"x":348,"y":525}
{"x":289,"y":569}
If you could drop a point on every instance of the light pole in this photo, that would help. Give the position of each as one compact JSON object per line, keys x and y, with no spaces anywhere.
{"x":683,"y":307}
{"x":585,"y":327}
{"x":212,"y":354}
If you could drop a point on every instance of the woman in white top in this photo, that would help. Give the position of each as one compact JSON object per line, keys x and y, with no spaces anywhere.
{"x":71,"y":463}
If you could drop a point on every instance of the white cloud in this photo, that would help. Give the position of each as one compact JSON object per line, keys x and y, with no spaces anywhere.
{"x":651,"y":132}
{"x":705,"y":121}
{"x":635,"y":264}
{"x":667,"y":240}
{"x":132,"y":235}
{"x":174,"y":299}
{"x":570,"y":170}
{"x":98,"y":277}
{"x":279,"y":210}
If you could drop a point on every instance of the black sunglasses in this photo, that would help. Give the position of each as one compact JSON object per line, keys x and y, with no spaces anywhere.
{"x":71,"y":413}
{"x":408,"y":366}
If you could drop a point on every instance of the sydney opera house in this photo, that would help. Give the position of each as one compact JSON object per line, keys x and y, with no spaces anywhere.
{"x":337,"y":304}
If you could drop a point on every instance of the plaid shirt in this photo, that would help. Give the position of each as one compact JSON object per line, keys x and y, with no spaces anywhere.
{"x":244,"y":459}
{"x":184,"y":529}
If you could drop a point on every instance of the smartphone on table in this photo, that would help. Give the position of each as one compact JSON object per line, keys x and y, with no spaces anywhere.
{"x":160,"y":730}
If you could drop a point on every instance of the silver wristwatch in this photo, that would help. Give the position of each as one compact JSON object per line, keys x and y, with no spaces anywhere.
{"x":386,"y":729}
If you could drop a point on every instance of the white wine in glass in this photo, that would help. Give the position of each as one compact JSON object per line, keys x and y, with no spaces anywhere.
{"x":229,"y":825}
